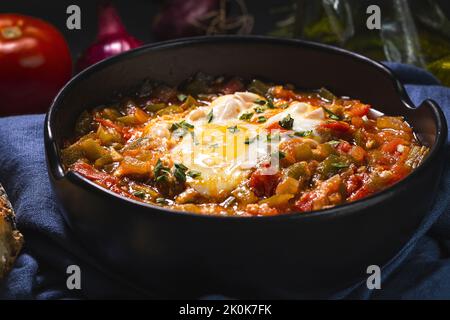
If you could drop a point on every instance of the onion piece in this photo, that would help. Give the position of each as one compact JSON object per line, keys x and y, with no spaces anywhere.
{"x":112,"y":38}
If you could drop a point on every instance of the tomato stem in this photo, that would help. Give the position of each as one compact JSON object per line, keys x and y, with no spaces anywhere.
{"x":13,"y":32}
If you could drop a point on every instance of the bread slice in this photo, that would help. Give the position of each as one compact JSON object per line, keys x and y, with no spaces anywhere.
{"x":11,"y":239}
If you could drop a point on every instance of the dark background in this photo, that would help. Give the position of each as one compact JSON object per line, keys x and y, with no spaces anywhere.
{"x":137,"y":15}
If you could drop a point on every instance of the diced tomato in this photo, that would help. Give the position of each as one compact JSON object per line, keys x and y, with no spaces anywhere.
{"x":281,"y":93}
{"x":108,"y":123}
{"x":124,"y":193}
{"x":353,"y":183}
{"x":305,"y":203}
{"x":344,"y":147}
{"x":310,"y":100}
{"x":127,"y":133}
{"x":359,"y":110}
{"x":391,"y":146}
{"x":399,"y":171}
{"x":105,"y":180}
{"x":357,"y":122}
{"x":358,"y":153}
{"x":338,"y":126}
{"x":261,"y":210}
{"x":276,"y":126}
{"x":318,"y":198}
{"x":264,"y":184}
{"x":362,"y":192}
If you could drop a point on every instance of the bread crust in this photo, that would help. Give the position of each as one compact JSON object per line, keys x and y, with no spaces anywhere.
{"x":11,"y":240}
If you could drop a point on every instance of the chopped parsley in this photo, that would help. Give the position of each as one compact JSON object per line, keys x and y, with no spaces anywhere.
{"x":139,"y":194}
{"x":303,"y":133}
{"x":260,"y":102}
{"x":249,"y":140}
{"x":181,"y":125}
{"x":210,"y":116}
{"x":180,"y":172}
{"x":287,"y":122}
{"x":193,"y":174}
{"x":246,"y":116}
{"x":270,"y":104}
{"x":181,"y":128}
{"x":260,"y":109}
{"x":233,"y":129}
{"x":160,"y":172}
{"x":270,"y":136}
{"x":331,"y":114}
{"x":261,"y":119}
{"x":180,"y":166}
{"x":162,"y":201}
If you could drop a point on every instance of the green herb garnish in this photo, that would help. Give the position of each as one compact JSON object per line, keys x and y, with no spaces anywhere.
{"x":331,"y":114}
{"x":261,"y":119}
{"x":303,"y":133}
{"x":181,"y":125}
{"x":287,"y":122}
{"x":260,"y":109}
{"x":180,"y":172}
{"x":139,"y":194}
{"x":246,"y":116}
{"x":193,"y":174}
{"x":160,"y":172}
{"x":162,"y":201}
{"x":249,"y":140}
{"x":260,"y":102}
{"x":270,"y":136}
{"x":270,"y":103}
{"x":182,"y":128}
{"x":180,"y":166}
{"x":233,"y":129}
{"x":210,"y":116}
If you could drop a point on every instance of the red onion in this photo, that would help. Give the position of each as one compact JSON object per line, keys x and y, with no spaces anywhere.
{"x":112,"y":38}
{"x":183,"y":18}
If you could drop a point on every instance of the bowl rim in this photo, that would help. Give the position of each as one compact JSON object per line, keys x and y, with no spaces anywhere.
{"x":56,"y":170}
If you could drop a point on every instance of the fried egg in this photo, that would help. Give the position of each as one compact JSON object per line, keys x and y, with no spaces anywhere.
{"x":224,"y":147}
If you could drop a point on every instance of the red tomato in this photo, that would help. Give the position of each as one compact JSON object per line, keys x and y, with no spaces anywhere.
{"x":264,"y":184}
{"x":35,"y":63}
{"x":344,"y":147}
{"x":359,"y":110}
{"x":93,"y":174}
{"x":338,"y":126}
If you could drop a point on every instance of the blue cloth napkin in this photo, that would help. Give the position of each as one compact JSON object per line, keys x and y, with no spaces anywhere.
{"x":420,"y":270}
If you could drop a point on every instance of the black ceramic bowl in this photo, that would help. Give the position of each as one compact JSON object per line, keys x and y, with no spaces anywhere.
{"x":178,"y":254}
